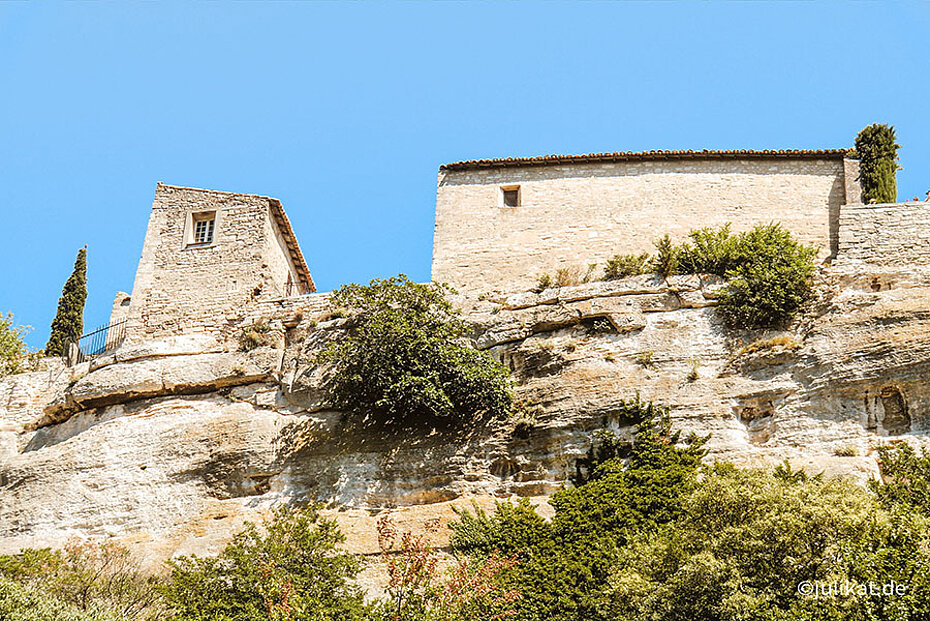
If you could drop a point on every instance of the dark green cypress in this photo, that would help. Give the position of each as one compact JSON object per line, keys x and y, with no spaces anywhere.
{"x":69,"y":320}
{"x":878,"y":163}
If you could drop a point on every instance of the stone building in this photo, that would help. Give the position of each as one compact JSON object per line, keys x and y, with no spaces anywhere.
{"x":208,"y":257}
{"x":502,"y":223}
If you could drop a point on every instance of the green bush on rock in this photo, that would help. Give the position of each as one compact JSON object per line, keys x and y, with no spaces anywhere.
{"x":402,"y":358}
{"x":769,"y":278}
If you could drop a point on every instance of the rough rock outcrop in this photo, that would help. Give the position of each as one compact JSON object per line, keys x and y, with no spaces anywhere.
{"x":171,"y":445}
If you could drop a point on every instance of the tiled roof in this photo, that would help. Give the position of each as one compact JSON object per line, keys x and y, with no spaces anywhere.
{"x":623,"y":156}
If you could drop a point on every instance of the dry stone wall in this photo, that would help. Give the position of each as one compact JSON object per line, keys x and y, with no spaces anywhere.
{"x":574,"y":215}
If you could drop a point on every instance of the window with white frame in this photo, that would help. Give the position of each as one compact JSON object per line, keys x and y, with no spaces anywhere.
{"x":203,"y":225}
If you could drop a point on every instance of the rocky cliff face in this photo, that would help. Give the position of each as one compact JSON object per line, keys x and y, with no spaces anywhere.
{"x":171,"y":445}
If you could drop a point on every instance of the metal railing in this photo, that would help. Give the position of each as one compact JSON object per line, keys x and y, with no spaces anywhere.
{"x":103,"y":340}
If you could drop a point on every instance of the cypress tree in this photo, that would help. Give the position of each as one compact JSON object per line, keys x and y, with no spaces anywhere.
{"x":878,"y":163}
{"x":69,"y":320}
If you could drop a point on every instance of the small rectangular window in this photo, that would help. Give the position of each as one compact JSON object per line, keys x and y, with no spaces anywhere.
{"x":511,"y":196}
{"x":203,"y":228}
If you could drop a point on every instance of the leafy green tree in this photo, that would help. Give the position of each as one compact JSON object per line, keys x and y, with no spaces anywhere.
{"x":906,"y":478}
{"x":878,"y":163}
{"x":69,"y":320}
{"x":745,"y":540}
{"x":14,"y":354}
{"x":402,"y":358}
{"x":564,"y":564}
{"x":293,"y":571}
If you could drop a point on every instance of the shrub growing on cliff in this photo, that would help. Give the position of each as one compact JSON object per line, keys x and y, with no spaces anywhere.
{"x":769,"y":280}
{"x":710,"y":251}
{"x":69,"y":320}
{"x":402,"y":358}
{"x":292,"y":570}
{"x":665,"y":261}
{"x":14,"y":355}
{"x":623,"y":265}
{"x":878,"y":163}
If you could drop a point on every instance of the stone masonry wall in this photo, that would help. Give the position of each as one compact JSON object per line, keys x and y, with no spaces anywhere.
{"x":278,"y":261}
{"x":186,"y":289}
{"x":896,"y":234}
{"x":576,"y":214}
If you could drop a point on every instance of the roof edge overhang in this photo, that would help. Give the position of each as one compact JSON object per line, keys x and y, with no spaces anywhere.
{"x":627,"y":156}
{"x":293,"y":248}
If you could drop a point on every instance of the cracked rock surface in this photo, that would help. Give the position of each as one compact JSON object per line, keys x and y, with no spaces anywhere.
{"x":170,"y":446}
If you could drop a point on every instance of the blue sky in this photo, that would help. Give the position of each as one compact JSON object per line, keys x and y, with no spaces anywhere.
{"x":346,"y":111}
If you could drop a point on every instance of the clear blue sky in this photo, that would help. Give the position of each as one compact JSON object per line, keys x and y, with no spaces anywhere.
{"x":346,"y":111}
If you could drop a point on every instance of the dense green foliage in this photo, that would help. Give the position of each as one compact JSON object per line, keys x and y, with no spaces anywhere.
{"x":69,"y":320}
{"x":14,"y":355}
{"x":746,"y":541}
{"x":292,"y":571}
{"x":878,"y":163}
{"x":623,"y":265}
{"x":710,"y":251}
{"x":732,"y":545}
{"x":22,"y":603}
{"x":769,"y":278}
{"x":906,"y":477}
{"x":769,"y":273}
{"x":564,"y":564}
{"x":99,"y":581}
{"x":402,"y":359}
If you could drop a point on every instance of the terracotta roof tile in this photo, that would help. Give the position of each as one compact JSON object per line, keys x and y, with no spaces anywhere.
{"x":622,"y":156}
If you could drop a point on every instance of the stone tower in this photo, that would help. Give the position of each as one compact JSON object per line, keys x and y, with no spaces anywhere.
{"x":207,"y":257}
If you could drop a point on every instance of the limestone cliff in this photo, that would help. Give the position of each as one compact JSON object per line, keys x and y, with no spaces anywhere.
{"x":170,"y":445}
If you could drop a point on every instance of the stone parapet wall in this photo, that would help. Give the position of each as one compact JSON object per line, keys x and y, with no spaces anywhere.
{"x":572,"y":215}
{"x":892,"y":234}
{"x":307,"y":306}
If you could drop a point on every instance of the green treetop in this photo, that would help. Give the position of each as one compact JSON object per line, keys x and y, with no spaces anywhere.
{"x":878,"y":163}
{"x":69,"y":320}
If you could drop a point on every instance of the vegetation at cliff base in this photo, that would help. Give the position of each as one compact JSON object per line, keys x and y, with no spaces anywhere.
{"x":292,"y":569}
{"x":69,"y":320}
{"x":565,"y":563}
{"x":404,"y":359}
{"x":878,"y":163}
{"x":647,"y":533}
{"x":15,"y":356}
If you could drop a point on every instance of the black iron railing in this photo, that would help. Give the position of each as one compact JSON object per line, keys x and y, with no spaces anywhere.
{"x":101,"y":341}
